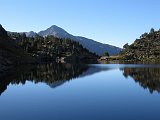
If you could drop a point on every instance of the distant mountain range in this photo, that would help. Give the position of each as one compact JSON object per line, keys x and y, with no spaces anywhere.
{"x":91,"y":45}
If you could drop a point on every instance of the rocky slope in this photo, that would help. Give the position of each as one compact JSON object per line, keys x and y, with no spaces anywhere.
{"x":146,"y":48}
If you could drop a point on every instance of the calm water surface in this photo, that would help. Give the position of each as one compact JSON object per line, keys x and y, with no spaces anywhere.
{"x":81,"y":92}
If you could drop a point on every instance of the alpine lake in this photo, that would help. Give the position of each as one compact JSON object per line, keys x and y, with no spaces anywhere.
{"x":81,"y":92}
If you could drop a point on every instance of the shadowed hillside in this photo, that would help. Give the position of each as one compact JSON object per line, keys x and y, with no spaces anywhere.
{"x":10,"y":52}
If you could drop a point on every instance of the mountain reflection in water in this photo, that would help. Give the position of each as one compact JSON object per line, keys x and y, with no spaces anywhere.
{"x":53,"y":74}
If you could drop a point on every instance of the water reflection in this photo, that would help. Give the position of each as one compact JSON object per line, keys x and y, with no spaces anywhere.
{"x":147,"y":77}
{"x":52,"y":74}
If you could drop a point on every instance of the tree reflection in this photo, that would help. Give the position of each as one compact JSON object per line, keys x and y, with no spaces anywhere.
{"x":148,"y":77}
{"x":51,"y":74}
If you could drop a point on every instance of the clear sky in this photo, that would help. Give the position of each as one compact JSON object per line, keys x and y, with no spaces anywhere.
{"x":114,"y":22}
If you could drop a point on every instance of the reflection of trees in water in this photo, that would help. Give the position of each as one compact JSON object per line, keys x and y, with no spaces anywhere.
{"x":147,"y":77}
{"x":52,"y":72}
{"x":49,"y":74}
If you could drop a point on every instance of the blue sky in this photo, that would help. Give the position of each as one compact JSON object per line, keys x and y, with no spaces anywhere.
{"x":114,"y":22}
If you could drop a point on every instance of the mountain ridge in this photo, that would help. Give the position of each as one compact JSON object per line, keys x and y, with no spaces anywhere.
{"x":90,"y":44}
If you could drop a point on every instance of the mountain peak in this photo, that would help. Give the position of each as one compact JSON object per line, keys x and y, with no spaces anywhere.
{"x":31,"y":31}
{"x":55,"y":31}
{"x":54,"y":26}
{"x":31,"y":34}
